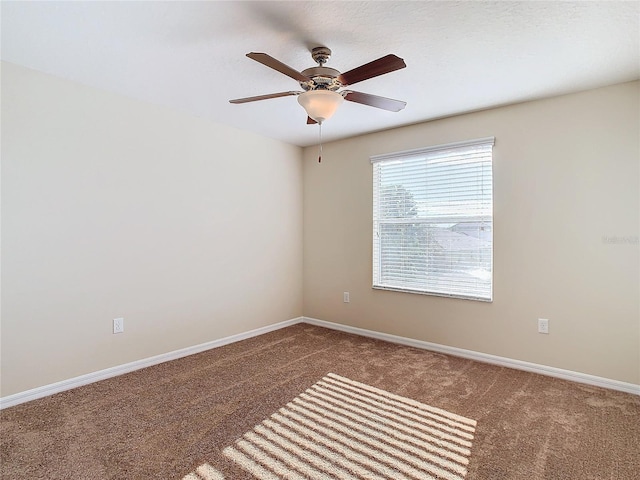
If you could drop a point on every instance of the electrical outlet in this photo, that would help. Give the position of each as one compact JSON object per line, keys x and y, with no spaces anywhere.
{"x":345,"y":297}
{"x":118,"y":325}
{"x":543,"y":325}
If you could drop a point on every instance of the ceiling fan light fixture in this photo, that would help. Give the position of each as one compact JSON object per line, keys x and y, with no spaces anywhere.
{"x":320,"y":104}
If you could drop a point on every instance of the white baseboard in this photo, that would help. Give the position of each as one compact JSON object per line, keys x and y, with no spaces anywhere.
{"x":484,"y":357}
{"x":58,"y":387}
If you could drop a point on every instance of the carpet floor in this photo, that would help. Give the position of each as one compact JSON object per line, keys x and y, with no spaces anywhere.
{"x":306,"y":402}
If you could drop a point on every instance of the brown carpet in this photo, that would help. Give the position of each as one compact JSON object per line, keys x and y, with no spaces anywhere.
{"x":310,"y":403}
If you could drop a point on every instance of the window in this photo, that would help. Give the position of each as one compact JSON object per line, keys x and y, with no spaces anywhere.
{"x":433,"y":220}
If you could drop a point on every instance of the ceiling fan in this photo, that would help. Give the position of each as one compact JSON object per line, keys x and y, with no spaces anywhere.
{"x":322,"y":94}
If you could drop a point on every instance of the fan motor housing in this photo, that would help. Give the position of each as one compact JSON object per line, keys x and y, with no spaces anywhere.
{"x":321,"y":78}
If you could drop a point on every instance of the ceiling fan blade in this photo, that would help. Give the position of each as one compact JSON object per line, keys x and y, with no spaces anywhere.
{"x":263,"y":97}
{"x":311,"y":121}
{"x":380,"y":66}
{"x":375,"y":101}
{"x":271,"y":62}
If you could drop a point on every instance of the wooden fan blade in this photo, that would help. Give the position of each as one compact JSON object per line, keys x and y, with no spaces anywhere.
{"x":381,"y":66}
{"x":263,"y":97}
{"x":311,"y":121}
{"x":271,"y":62}
{"x":376,"y":101}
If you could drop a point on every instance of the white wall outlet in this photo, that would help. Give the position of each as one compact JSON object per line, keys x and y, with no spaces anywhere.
{"x":345,"y":297}
{"x":543,"y":325}
{"x":118,"y":325}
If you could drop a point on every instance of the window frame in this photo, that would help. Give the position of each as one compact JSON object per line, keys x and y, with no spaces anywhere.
{"x":430,"y":151}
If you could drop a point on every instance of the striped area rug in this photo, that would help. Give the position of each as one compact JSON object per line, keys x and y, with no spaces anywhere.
{"x":342,"y":429}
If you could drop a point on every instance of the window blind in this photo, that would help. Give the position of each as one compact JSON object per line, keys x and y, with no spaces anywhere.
{"x":433,"y":220}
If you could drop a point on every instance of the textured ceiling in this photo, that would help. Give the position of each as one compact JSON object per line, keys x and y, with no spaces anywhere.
{"x":460,"y":56}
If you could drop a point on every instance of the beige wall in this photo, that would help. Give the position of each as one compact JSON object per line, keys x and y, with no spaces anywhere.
{"x":193,"y":231}
{"x":566,"y":175}
{"x":111,"y":207}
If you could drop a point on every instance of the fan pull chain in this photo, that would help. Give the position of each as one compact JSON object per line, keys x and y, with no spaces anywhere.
{"x":320,"y":143}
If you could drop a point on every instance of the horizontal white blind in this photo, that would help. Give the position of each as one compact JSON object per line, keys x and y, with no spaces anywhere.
{"x":433,"y":220}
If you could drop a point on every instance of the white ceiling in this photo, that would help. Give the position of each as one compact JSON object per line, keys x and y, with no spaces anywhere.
{"x":460,"y":56}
